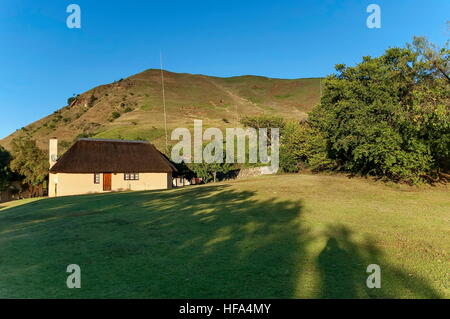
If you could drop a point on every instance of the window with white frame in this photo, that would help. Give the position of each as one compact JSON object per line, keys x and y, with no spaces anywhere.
{"x":97,"y":178}
{"x":131,"y":176}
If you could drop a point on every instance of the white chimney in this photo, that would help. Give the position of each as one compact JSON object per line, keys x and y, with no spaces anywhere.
{"x":53,"y":151}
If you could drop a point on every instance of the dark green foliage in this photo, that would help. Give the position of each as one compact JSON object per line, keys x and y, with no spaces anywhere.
{"x":264,"y":121}
{"x":57,"y":118}
{"x":300,"y":145}
{"x":5,"y":173}
{"x":210,"y":171}
{"x":283,"y":96}
{"x":115,"y":115}
{"x":387,"y":116}
{"x":291,"y":145}
{"x":72,"y":98}
{"x":29,"y":161}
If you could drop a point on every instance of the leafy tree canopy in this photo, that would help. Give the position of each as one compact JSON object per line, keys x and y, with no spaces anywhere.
{"x":389,"y":116}
{"x":210,"y":171}
{"x":29,"y":161}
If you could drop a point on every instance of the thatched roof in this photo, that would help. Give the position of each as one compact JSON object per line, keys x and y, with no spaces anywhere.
{"x":112,"y":156}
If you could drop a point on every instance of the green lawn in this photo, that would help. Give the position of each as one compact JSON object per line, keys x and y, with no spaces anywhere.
{"x":292,"y":236}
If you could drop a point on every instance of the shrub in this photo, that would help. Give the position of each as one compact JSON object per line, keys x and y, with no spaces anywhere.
{"x":72,"y":98}
{"x":264,"y":121}
{"x":84,"y":135}
{"x":210,"y":171}
{"x":5,"y":173}
{"x":115,"y":115}
{"x":302,"y":146}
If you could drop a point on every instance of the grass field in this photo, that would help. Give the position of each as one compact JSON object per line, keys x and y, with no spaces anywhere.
{"x":291,"y":236}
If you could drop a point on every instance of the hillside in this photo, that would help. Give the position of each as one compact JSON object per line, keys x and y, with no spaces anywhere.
{"x":279,"y":236}
{"x":132,"y":108}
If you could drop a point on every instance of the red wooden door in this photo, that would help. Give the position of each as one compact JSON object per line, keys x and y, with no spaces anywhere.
{"x":106,"y":181}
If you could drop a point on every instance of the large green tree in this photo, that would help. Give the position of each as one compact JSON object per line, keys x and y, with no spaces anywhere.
{"x":30,"y":162}
{"x":301,"y":145}
{"x":389,"y":116}
{"x":435,"y":59}
{"x":211,"y":171}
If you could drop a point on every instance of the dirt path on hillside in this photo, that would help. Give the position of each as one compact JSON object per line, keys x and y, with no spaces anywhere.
{"x":239,"y":101}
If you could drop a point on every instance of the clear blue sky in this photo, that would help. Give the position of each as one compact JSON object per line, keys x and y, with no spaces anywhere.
{"x":42,"y":62}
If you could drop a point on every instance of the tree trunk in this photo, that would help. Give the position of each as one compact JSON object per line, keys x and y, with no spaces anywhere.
{"x":214,"y":176}
{"x":33,"y":191}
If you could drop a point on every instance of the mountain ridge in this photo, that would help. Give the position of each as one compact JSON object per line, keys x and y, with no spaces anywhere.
{"x":132,"y":108}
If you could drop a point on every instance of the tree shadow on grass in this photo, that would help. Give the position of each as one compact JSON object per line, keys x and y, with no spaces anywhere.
{"x":343,"y":266}
{"x":196,"y":242}
{"x":200,"y":242}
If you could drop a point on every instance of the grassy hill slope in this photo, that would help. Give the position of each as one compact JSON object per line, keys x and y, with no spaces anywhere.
{"x":304,"y":236}
{"x":132,"y":108}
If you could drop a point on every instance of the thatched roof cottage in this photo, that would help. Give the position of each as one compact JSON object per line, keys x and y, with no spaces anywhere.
{"x":99,"y":165}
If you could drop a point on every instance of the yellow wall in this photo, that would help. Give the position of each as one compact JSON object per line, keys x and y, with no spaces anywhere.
{"x":63,"y":184}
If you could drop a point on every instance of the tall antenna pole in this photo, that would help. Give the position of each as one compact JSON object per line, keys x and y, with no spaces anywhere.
{"x":320,"y":84}
{"x":164,"y":98}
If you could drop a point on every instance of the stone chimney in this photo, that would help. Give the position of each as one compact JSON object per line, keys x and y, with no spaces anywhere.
{"x":53,"y":151}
